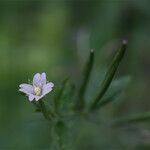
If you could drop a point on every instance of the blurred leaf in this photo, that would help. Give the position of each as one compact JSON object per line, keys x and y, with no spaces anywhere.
{"x":86,"y":75}
{"x":115,"y":90}
{"x":59,"y":93}
{"x":65,"y":92}
{"x":68,"y":94}
{"x":109,"y":75}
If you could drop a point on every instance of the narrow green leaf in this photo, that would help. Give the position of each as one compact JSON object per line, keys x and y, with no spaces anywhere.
{"x":86,"y":76}
{"x":59,"y":94}
{"x":115,"y":90}
{"x":68,"y":95}
{"x":109,"y":75}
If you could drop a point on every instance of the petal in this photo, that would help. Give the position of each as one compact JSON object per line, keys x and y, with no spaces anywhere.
{"x":26,"y":88}
{"x":23,"y":91}
{"x":47,"y":88}
{"x":37,"y":80}
{"x":51,"y":84}
{"x":31,"y":97}
{"x":43,"y":78}
{"x":37,"y":98}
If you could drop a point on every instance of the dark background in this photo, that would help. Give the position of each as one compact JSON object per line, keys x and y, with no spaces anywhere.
{"x":55,"y":37}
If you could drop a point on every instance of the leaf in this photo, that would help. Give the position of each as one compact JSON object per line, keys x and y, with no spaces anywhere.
{"x":59,"y":93}
{"x":68,"y":94}
{"x":115,"y":90}
{"x":86,"y":76}
{"x":109,"y":75}
{"x":63,"y":93}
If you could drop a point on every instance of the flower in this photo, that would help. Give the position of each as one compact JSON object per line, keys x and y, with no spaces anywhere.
{"x":39,"y":88}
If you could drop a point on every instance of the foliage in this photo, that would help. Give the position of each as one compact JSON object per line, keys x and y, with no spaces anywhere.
{"x":55,"y":37}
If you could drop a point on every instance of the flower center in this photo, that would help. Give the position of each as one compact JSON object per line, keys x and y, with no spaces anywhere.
{"x":37,"y":90}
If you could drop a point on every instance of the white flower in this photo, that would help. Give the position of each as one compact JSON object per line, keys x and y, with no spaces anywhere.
{"x":39,"y":88}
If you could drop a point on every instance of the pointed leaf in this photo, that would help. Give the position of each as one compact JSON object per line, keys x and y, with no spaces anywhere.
{"x":66,"y":91}
{"x":109,"y":75}
{"x":115,"y":90}
{"x":86,"y":76}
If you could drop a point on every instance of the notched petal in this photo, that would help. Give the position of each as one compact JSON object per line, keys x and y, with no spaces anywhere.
{"x":26,"y":88}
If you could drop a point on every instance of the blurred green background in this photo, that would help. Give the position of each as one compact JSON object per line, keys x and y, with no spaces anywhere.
{"x":55,"y":37}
